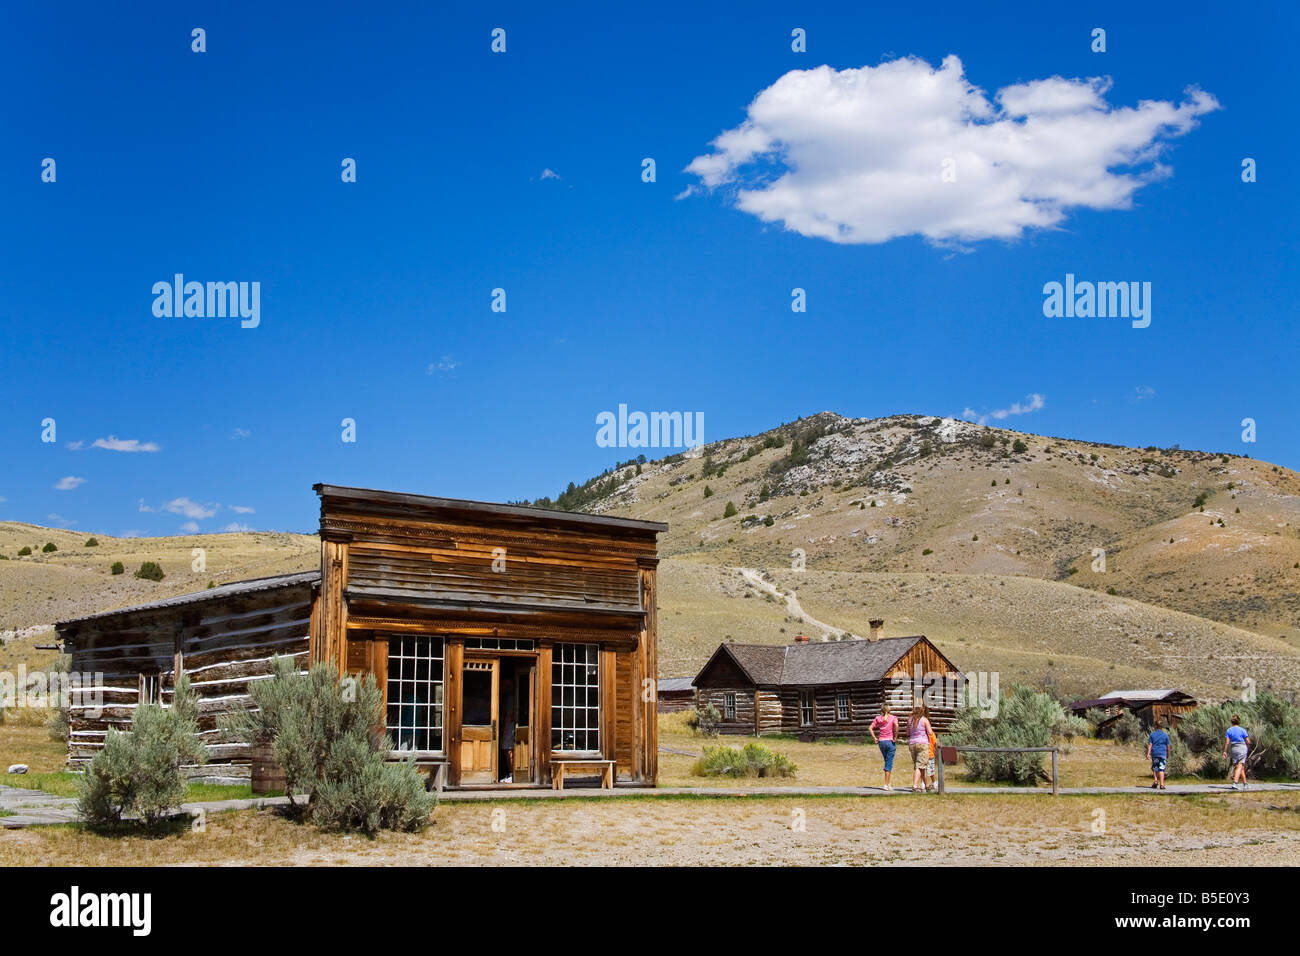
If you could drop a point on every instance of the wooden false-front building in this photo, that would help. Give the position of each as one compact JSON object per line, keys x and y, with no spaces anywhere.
{"x":509,"y":642}
{"x":823,"y":689}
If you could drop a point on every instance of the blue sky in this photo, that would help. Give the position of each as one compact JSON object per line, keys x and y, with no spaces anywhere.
{"x":376,"y":295}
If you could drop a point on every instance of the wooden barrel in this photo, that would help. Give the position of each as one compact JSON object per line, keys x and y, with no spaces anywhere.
{"x":268,"y":776}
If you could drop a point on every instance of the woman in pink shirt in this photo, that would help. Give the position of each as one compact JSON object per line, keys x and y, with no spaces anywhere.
{"x":883,"y":730}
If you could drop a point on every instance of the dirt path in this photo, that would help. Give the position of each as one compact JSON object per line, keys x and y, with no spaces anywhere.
{"x":791,"y":602}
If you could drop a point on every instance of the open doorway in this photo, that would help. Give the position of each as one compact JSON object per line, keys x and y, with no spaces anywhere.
{"x":515,"y":718}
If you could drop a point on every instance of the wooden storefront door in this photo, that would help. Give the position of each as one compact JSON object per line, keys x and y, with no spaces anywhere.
{"x":480,"y":690}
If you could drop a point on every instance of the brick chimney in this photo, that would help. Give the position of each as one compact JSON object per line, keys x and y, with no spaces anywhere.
{"x":877,"y":629}
{"x":801,"y":639}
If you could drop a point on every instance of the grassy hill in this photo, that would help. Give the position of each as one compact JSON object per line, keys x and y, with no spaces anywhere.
{"x":981,"y":538}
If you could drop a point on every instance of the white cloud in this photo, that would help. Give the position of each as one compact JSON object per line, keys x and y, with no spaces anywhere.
{"x":550,"y":174}
{"x":190,"y":509}
{"x":190,"y":527}
{"x":76,"y":445}
{"x":113,"y":443}
{"x":235,"y":526}
{"x":60,"y":520}
{"x":1032,"y":403}
{"x":241,"y":509}
{"x":447,"y":364}
{"x":69,"y":483}
{"x":240,"y":433}
{"x":130,"y":533}
{"x":1143,"y":392}
{"x":144,"y":507}
{"x":857,"y":155}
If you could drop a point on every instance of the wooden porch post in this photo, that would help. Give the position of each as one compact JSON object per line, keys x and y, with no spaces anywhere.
{"x":650,"y":650}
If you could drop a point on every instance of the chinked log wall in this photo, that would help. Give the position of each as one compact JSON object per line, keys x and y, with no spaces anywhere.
{"x":222,"y":644}
{"x":779,"y":710}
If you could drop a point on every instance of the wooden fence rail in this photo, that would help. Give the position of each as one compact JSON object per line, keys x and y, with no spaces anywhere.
{"x":1054,"y":751}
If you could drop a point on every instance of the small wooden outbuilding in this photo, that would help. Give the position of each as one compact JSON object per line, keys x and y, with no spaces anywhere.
{"x":676,"y":694}
{"x":823,"y":689}
{"x":1148,"y":706}
{"x":507,"y":641}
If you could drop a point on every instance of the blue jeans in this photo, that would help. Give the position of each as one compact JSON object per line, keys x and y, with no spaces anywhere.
{"x":887,"y":749}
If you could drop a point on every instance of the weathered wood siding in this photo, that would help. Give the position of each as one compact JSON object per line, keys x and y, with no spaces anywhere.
{"x":223,"y":644}
{"x":413,"y":564}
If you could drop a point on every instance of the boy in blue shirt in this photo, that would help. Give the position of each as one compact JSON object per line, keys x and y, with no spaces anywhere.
{"x":1158,"y":754}
{"x":1237,"y":741}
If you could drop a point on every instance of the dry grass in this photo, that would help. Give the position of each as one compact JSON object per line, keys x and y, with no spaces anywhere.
{"x":1010,"y":830}
{"x":1089,"y":763}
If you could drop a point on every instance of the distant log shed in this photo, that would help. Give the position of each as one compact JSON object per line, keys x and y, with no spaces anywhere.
{"x":823,"y":689}
{"x":676,"y":693}
{"x":1150,"y":705}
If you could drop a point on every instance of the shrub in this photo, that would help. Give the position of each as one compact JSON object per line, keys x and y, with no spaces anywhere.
{"x":117,"y":568}
{"x":704,"y":721}
{"x":1095,"y":717}
{"x":1274,"y":728}
{"x":327,"y":735}
{"x":1127,"y":728}
{"x":141,"y":772}
{"x":150,"y":571}
{"x":1179,"y":762}
{"x":1023,"y":719}
{"x":764,"y":493}
{"x":1071,"y":726}
{"x":768,"y":520}
{"x":729,"y":511}
{"x":1019,"y":447}
{"x":57,"y":724}
{"x":926,"y":551}
{"x":708,"y":492}
{"x":92,"y":543}
{"x":50,"y":547}
{"x":24,"y":551}
{"x":753,"y":760}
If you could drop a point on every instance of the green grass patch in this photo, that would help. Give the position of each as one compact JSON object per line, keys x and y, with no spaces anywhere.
{"x":63,"y":783}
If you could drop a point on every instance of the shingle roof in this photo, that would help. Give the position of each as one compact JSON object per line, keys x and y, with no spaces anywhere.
{"x":828,"y":662}
{"x":222,"y":591}
{"x":676,"y":684}
{"x":1139,"y":694}
{"x":762,"y":662}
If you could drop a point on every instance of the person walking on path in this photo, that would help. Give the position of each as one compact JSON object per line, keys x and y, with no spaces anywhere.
{"x":883,"y":731}
{"x":1236,"y":746}
{"x":1158,"y":754}
{"x":918,"y":742}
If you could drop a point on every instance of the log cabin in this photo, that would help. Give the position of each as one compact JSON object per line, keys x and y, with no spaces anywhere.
{"x":511,"y":644}
{"x":822,"y":689}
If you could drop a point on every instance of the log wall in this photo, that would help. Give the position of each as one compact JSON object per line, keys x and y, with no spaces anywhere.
{"x":223,"y":644}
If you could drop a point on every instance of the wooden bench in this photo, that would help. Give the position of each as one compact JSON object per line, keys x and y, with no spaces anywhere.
{"x":434,"y":768}
{"x":560,"y":765}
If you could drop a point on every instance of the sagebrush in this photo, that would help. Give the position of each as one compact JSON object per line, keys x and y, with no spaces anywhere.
{"x":328,"y":737}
